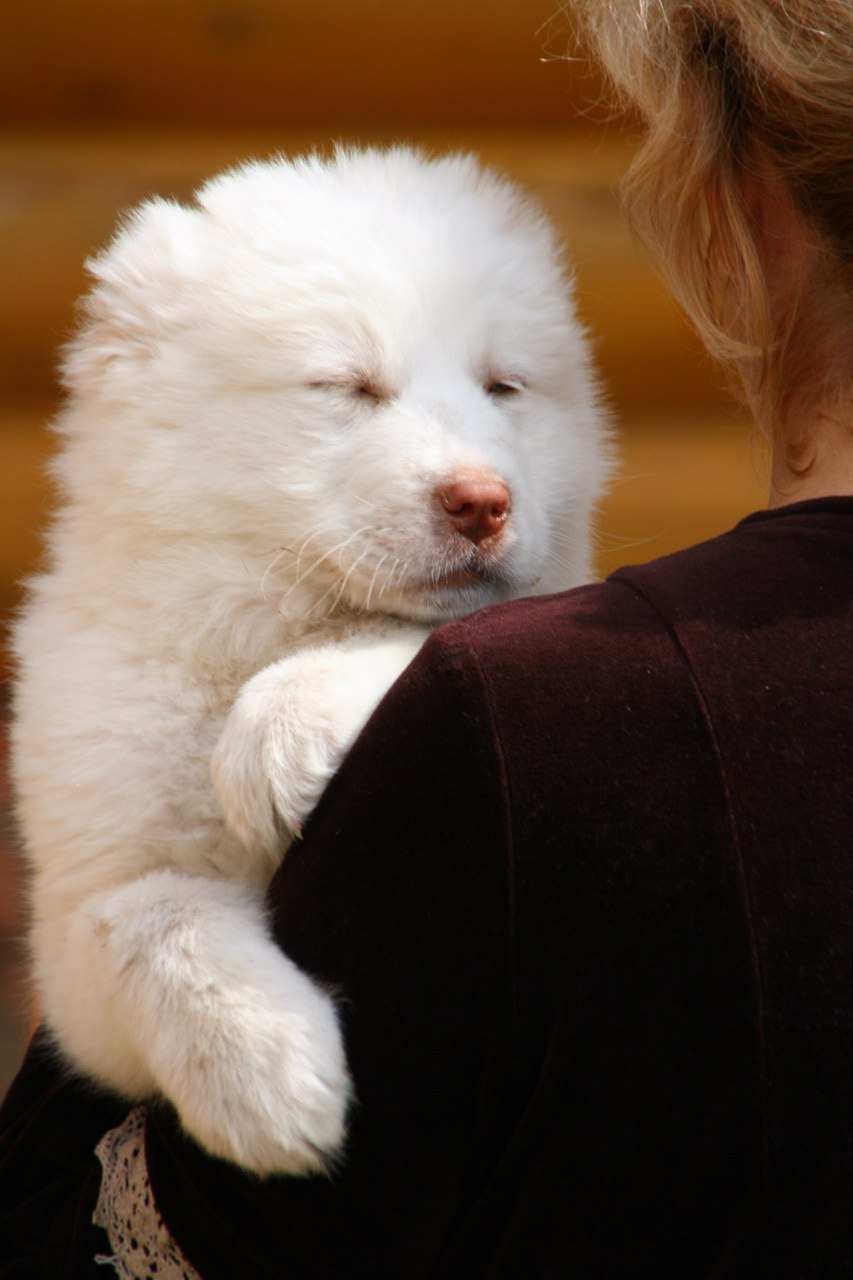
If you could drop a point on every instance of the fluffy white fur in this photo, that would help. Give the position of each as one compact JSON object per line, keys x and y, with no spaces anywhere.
{"x":272,"y":395}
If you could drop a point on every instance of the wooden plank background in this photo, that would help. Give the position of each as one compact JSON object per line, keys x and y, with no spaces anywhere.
{"x":323,"y":63}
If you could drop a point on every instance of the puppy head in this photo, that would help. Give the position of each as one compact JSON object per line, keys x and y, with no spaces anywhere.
{"x":361,"y":373}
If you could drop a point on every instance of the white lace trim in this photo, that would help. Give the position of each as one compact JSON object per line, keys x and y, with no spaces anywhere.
{"x":142,"y":1247}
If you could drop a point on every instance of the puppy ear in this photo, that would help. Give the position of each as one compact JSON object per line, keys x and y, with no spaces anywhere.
{"x":139,"y":293}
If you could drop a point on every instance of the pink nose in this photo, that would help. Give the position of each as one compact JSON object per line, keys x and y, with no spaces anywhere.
{"x":476,"y":505}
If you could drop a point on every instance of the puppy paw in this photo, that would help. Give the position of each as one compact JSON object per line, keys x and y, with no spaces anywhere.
{"x":269,"y":1089}
{"x":186,"y":995}
{"x":280,"y":745}
{"x":288,"y":731}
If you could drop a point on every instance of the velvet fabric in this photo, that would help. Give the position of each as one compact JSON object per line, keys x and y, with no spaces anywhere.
{"x":584,"y":889}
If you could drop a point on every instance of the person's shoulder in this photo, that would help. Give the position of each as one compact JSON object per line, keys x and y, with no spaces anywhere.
{"x":583,"y":640}
{"x":597,"y":613}
{"x":770,"y":562}
{"x":630,"y":627}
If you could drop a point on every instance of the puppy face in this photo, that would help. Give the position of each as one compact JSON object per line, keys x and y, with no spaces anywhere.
{"x":363,"y":374}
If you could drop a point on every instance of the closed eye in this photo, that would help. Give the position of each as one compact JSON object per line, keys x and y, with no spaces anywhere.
{"x":369,"y":391}
{"x":357,"y":388}
{"x":502,"y":387}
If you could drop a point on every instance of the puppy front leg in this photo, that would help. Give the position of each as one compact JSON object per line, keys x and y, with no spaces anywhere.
{"x":171,"y":984}
{"x":291,"y":726}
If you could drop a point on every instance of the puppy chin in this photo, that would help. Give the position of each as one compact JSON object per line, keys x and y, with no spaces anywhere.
{"x":435,"y":602}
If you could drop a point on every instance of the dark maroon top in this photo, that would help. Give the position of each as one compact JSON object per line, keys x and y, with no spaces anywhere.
{"x":584,"y":885}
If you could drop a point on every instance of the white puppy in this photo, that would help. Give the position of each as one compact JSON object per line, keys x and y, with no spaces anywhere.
{"x":324,"y":407}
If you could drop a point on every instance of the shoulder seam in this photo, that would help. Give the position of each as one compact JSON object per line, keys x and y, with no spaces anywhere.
{"x":505,"y":790}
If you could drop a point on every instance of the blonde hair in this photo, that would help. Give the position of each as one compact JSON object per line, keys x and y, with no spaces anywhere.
{"x":720,"y":82}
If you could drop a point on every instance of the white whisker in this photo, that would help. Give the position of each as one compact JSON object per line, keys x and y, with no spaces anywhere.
{"x":272,"y":564}
{"x":379,"y":565}
{"x":318,"y":531}
{"x":358,"y":497}
{"x":389,"y":577}
{"x":325,"y":555}
{"x":341,"y":585}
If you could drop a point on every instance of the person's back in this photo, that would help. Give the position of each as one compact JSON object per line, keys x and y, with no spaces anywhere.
{"x":624,"y":860}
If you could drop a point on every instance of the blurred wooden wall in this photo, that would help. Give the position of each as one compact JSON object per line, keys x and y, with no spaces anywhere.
{"x":105,"y":101}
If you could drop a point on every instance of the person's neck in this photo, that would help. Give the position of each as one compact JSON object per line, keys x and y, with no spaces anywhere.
{"x":819,"y":464}
{"x":818,"y":482}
